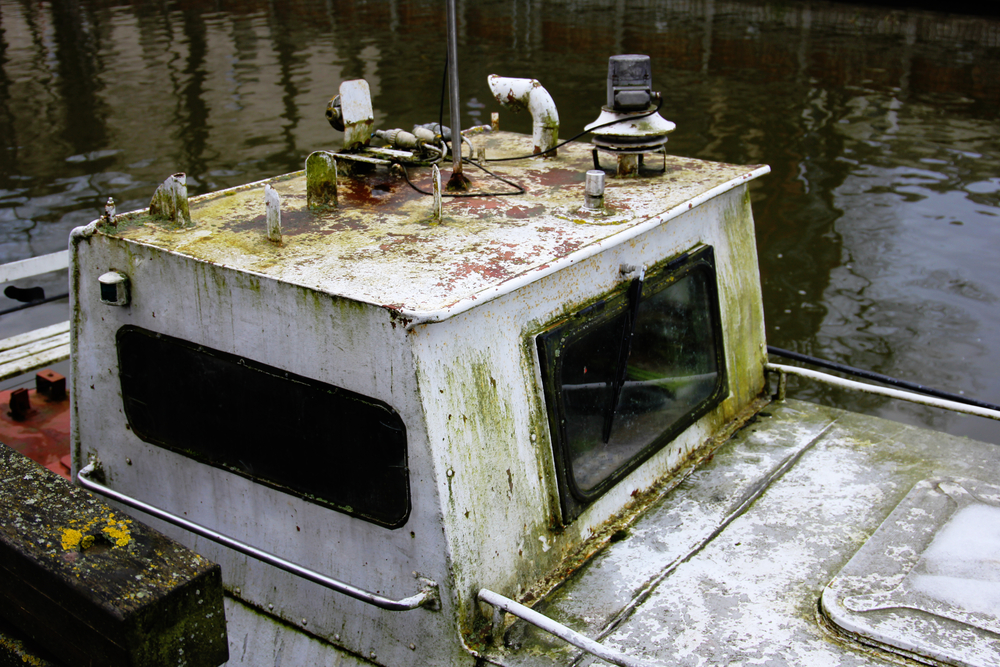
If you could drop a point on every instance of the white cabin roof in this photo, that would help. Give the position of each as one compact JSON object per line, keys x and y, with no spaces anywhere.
{"x":381,"y":246}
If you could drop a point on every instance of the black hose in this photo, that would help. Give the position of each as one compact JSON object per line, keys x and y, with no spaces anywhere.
{"x":878,"y":377}
{"x":519,"y":189}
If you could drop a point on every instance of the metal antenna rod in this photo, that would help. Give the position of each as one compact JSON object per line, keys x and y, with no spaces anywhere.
{"x":457,"y":180}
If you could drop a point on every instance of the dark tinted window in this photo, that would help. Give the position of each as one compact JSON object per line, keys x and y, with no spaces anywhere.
{"x":625,"y":375}
{"x":329,"y":445}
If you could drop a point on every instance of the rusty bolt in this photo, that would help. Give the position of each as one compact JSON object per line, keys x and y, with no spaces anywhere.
{"x":19,"y":404}
{"x":50,"y":384}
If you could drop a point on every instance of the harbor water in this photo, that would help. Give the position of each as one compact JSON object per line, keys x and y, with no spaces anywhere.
{"x":878,"y":229}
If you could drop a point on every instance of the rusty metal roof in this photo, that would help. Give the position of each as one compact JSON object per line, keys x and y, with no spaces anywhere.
{"x":380,"y":245}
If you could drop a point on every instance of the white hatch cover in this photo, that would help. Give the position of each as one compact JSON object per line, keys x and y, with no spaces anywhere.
{"x":927,"y":583}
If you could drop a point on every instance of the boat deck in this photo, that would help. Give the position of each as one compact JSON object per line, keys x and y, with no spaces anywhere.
{"x":730,"y":566}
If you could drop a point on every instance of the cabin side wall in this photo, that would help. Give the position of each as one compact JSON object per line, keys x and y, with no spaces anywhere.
{"x":481,"y":389}
{"x":346,"y":344}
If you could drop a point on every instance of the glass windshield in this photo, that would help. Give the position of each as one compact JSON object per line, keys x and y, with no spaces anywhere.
{"x":628,"y":374}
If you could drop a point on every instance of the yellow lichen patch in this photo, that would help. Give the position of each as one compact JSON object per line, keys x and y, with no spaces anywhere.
{"x":118,"y":532}
{"x":71,"y":538}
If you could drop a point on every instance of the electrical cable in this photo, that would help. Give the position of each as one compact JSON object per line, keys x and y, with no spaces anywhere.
{"x":878,"y":377}
{"x":519,"y":189}
{"x":32,"y":304}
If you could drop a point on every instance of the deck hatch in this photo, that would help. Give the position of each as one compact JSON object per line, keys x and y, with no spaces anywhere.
{"x":926,"y":584}
{"x":606,"y":416}
{"x":326,"y":444}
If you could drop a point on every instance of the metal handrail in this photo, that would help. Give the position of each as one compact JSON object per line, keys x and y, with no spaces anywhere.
{"x":835,"y":381}
{"x":559,"y":630}
{"x":427,"y":597}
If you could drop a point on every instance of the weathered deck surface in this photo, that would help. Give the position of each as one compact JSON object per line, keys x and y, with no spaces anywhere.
{"x":33,"y":350}
{"x":729,"y":567}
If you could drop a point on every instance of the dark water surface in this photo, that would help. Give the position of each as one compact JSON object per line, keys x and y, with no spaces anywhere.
{"x":878,"y":229}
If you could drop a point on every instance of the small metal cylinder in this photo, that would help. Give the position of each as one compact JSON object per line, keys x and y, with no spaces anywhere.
{"x":593,"y":193}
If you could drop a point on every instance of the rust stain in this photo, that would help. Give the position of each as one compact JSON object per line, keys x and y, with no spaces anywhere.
{"x":554,"y":178}
{"x":522,"y":212}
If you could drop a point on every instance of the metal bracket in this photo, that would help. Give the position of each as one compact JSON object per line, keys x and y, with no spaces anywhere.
{"x":356,"y":107}
{"x":170,"y":201}
{"x":427,"y":597}
{"x":272,"y":211}
{"x":321,"y":179}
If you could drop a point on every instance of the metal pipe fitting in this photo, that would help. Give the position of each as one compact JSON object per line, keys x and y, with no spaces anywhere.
{"x":593,"y":190}
{"x":518,"y":94}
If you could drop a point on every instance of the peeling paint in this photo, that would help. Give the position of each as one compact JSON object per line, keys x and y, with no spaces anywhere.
{"x":353,"y":249}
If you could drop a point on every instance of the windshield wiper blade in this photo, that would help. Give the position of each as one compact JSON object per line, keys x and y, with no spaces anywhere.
{"x":624,"y":350}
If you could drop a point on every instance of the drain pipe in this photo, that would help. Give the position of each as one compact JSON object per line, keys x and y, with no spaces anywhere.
{"x":518,"y":94}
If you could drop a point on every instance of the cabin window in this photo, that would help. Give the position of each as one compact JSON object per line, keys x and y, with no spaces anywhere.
{"x":328,"y":445}
{"x":625,"y":375}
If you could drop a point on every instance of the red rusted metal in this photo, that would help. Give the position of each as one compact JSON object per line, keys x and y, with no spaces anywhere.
{"x":50,"y":384}
{"x":36,"y":421}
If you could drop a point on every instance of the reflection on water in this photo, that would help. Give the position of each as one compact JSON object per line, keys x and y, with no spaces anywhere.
{"x":878,"y":229}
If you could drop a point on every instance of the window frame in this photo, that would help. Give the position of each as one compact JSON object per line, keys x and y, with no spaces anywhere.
{"x":569,"y":329}
{"x":220,"y":457}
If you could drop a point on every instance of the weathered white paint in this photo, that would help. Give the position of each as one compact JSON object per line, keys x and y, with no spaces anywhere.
{"x":33,"y":350}
{"x":436,"y":183}
{"x":729,"y":567}
{"x":170,"y":201}
{"x":436,"y":320}
{"x":927,"y":580}
{"x":272,"y":211}
{"x":519,"y":94}
{"x":359,"y":118}
{"x":640,"y":128}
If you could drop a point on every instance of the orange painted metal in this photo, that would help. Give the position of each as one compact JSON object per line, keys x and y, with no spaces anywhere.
{"x":43,"y":433}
